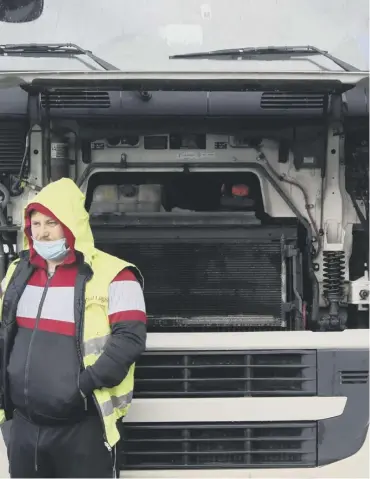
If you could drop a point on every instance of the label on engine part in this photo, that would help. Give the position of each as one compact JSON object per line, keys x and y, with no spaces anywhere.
{"x":195,"y":155}
{"x":59,"y":151}
{"x":220,"y":145}
{"x":309,"y":160}
{"x":97,"y":145}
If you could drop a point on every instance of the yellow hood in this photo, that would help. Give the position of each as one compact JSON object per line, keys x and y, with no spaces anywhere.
{"x":66,"y":202}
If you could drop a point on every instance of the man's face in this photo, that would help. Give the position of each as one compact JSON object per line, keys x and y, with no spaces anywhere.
{"x":44,"y":228}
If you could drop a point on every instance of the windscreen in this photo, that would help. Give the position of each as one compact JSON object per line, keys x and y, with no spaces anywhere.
{"x":142,"y":34}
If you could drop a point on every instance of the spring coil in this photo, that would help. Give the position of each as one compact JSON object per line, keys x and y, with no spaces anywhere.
{"x":334,"y":268}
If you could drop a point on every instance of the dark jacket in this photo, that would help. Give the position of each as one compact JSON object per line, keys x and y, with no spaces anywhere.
{"x":42,"y":373}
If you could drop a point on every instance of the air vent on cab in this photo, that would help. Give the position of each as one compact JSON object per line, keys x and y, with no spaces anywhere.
{"x":76,"y":99}
{"x":224,"y":374}
{"x":276,"y":100}
{"x":192,"y":446}
{"x":354,"y":377}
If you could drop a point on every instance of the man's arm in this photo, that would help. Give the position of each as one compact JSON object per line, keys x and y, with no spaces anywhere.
{"x":127,"y":317}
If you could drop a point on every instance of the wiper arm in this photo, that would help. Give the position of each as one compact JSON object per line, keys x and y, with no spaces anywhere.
{"x":55,"y":50}
{"x":266,"y":53}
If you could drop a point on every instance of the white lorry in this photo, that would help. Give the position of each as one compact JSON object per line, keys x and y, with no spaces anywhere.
{"x":242,"y":196}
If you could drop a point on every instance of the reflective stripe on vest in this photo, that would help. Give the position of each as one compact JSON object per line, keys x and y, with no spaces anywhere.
{"x":112,"y":402}
{"x":95,"y":345}
{"x":120,"y":402}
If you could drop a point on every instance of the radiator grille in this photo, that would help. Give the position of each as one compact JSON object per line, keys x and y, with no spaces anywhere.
{"x":12,"y":146}
{"x":229,"y":284}
{"x":218,"y":445}
{"x":73,"y":98}
{"x":225,"y":374}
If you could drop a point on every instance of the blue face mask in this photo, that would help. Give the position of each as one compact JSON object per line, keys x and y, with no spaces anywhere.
{"x":51,"y":250}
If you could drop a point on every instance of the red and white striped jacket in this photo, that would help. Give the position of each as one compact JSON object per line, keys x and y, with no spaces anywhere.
{"x":44,"y":370}
{"x":125,"y":301}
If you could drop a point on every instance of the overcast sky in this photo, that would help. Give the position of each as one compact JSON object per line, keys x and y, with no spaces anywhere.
{"x":142,"y":33}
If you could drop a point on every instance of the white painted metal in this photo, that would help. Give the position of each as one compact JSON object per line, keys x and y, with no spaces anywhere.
{"x":207,"y":73}
{"x":276,"y":340}
{"x":235,"y":409}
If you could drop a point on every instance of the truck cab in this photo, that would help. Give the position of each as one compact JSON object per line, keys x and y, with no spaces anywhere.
{"x":242,"y":198}
{"x":237,"y":181}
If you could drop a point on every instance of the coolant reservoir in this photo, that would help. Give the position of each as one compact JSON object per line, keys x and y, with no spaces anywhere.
{"x":139,"y":198}
{"x":150,"y":198}
{"x":105,"y":200}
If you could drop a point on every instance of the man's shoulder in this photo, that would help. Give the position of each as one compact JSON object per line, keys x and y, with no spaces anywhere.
{"x":126,"y":274}
{"x":108,"y":259}
{"x":120,"y":267}
{"x":24,"y":255}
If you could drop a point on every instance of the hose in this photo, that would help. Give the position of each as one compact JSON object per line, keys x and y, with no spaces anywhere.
{"x":26,"y":149}
{"x":3,"y":205}
{"x":282,"y":178}
{"x":2,"y":261}
{"x":315,"y":284}
{"x":3,"y":222}
{"x":309,"y":214}
{"x":4,"y":202}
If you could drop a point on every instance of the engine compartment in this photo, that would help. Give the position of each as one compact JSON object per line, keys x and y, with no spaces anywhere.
{"x":211,"y":258}
{"x":242,"y":222}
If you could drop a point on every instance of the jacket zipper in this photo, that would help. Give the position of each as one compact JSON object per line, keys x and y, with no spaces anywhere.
{"x":27,"y":368}
{"x":81,"y":393}
{"x":79,"y":343}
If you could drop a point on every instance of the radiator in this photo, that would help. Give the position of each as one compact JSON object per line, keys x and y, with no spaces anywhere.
{"x":208,"y":279}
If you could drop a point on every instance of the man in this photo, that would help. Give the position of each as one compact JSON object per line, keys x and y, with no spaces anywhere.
{"x":73,"y":324}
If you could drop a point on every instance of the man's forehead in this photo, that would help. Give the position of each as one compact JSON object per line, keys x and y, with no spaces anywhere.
{"x":36,"y":215}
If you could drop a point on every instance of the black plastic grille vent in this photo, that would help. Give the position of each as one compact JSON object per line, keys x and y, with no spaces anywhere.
{"x":225,"y":374}
{"x":354,"y":377}
{"x":218,"y":445}
{"x":73,"y":98}
{"x":12,"y":146}
{"x":288,"y":101}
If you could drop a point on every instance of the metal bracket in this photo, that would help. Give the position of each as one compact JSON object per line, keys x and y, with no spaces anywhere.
{"x":337,"y":237}
{"x":123,"y":162}
{"x":359,"y":292}
{"x":333,"y":193}
{"x":290,"y":251}
{"x":288,"y":307}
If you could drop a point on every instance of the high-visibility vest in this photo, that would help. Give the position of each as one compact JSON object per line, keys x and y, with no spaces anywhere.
{"x":113,"y":403}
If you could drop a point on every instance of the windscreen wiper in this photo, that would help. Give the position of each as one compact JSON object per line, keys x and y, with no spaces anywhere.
{"x":56,"y":50}
{"x":265,"y":53}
